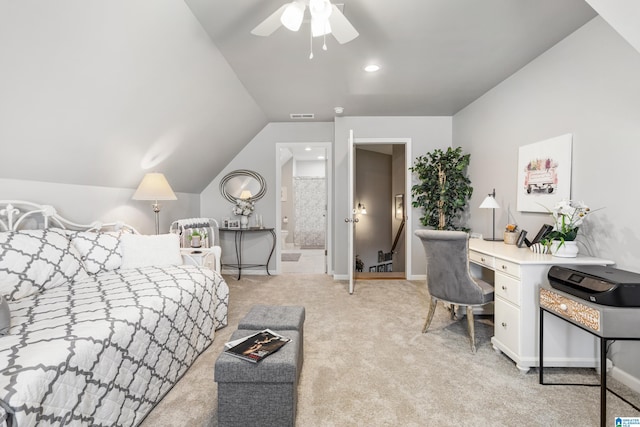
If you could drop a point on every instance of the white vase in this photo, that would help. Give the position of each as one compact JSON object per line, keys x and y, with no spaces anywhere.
{"x":244,"y":221}
{"x":564,"y":250}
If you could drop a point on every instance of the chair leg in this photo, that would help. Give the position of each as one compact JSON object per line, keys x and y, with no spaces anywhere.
{"x":472,"y":331}
{"x":432,"y":309}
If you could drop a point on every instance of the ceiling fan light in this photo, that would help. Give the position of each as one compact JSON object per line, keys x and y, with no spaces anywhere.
{"x":320,"y":27}
{"x":292,"y":16}
{"x":320,"y":8}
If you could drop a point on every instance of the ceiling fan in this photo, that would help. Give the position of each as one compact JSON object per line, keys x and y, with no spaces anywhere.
{"x":326,"y":18}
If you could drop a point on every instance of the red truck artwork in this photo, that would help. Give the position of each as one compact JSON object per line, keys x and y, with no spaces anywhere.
{"x":540,"y":175}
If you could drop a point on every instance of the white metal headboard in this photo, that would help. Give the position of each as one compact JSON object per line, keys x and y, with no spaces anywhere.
{"x":16,"y":214}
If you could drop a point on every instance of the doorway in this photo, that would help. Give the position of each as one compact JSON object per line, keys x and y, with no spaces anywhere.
{"x":303,"y":180}
{"x":380,"y":198}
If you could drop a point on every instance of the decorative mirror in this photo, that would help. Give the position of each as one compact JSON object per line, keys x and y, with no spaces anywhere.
{"x":243,"y":184}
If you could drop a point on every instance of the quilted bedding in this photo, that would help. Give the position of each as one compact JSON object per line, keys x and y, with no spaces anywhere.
{"x":105,"y":349}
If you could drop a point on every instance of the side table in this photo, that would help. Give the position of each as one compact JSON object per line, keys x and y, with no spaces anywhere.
{"x":205,"y":257}
{"x":239,"y":234}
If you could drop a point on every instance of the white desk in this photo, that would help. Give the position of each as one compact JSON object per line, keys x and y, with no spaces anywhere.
{"x":517,"y":275}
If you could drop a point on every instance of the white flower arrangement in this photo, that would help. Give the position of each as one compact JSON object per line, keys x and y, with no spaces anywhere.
{"x":243,"y":207}
{"x":567,"y":215}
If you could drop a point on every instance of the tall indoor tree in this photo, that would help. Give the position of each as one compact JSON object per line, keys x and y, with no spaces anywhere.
{"x":444,"y":189}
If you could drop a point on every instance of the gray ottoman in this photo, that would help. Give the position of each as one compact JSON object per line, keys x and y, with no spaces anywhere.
{"x":259,"y":394}
{"x":277,"y":318}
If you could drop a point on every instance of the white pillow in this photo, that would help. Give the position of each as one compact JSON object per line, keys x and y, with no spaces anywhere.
{"x":145,"y":251}
{"x":34,"y":260}
{"x":99,"y":251}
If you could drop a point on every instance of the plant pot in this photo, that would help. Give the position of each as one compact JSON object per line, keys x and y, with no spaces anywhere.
{"x":510,"y":238}
{"x":564,"y":250}
{"x":195,"y":241}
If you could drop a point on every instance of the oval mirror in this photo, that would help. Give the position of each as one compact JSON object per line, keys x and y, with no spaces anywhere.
{"x":243,"y":184}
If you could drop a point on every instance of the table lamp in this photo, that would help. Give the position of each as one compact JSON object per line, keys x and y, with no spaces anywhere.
{"x":154,"y":186}
{"x":489,"y":202}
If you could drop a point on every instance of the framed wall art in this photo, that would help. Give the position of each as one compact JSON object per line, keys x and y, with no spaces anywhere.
{"x":234,"y":223}
{"x":399,"y":206}
{"x":544,"y":173}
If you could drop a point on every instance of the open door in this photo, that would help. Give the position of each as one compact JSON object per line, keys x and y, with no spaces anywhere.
{"x":350,"y":219}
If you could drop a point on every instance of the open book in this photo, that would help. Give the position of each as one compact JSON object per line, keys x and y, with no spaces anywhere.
{"x":256,"y":347}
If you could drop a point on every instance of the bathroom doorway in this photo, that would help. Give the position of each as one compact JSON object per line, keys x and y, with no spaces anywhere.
{"x":303,"y":180}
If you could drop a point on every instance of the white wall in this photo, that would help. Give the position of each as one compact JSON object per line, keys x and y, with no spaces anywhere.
{"x":586,"y":85}
{"x":426,"y":133}
{"x":95,"y":92}
{"x":260,"y":156}
{"x":84,"y":204}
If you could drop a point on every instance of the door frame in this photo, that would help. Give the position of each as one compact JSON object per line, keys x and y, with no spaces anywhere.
{"x":329,"y":192}
{"x":408,"y":184}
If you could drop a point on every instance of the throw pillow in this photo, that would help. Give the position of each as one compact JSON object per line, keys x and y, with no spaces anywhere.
{"x":145,"y":251}
{"x":99,"y":251}
{"x":34,"y":260}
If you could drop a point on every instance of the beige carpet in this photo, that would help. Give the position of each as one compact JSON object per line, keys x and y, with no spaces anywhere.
{"x":367,"y":364}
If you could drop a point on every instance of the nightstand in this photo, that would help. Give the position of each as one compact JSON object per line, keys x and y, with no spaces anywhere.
{"x":204,"y":257}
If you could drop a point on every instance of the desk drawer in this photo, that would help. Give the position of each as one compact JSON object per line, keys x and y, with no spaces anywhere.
{"x":507,"y":325}
{"x":570,"y":309}
{"x":507,"y":288}
{"x":508,"y":267}
{"x":479,"y":258}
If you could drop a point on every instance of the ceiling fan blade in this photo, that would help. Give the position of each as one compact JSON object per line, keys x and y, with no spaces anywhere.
{"x":269,"y":25}
{"x":341,"y":28}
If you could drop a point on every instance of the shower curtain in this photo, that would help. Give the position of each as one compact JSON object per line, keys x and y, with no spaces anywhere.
{"x":310,"y":209}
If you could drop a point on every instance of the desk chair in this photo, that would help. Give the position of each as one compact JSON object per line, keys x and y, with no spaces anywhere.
{"x":448,"y":277}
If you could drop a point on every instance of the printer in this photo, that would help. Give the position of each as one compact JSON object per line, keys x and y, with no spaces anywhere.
{"x":597,"y":284}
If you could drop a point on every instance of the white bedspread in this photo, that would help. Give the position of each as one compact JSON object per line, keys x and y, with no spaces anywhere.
{"x":106,"y":349}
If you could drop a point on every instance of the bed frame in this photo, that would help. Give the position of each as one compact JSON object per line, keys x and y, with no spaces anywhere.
{"x":18,"y":214}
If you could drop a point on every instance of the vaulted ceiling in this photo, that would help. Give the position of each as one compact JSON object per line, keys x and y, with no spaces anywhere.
{"x":95,"y":93}
{"x":436,"y":56}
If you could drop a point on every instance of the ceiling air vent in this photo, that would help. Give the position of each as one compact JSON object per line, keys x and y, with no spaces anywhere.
{"x":301,"y":116}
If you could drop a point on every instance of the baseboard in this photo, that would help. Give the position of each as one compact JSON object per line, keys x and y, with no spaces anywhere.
{"x":626,"y":379}
{"x":417,"y":277}
{"x":234,"y":272}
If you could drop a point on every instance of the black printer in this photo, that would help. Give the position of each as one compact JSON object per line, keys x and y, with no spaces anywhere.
{"x":598,"y":284}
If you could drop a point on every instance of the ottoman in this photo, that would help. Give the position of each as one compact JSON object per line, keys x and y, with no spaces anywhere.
{"x":263,"y":393}
{"x":277,"y":318}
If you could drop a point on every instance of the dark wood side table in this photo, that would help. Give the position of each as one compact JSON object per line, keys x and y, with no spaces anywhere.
{"x":239,"y":234}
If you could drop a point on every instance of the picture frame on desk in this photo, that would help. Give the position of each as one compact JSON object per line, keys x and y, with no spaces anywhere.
{"x":233,"y":224}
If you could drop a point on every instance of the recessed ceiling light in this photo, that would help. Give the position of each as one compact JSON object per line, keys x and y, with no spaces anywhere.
{"x":372,"y":68}
{"x":320,"y":157}
{"x":307,"y":149}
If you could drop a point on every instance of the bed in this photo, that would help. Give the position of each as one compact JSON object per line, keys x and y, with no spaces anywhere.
{"x":96,"y":342}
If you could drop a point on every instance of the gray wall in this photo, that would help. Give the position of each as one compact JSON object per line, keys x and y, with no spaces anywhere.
{"x":586,"y":85}
{"x":426,"y":133}
{"x":260,"y":155}
{"x":398,"y":169}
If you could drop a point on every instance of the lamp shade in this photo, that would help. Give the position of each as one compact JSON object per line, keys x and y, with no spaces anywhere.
{"x":292,"y":16}
{"x":154,"y":186}
{"x":246,"y":194}
{"x":489,"y":202}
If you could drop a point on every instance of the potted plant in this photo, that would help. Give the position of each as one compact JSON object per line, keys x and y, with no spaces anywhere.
{"x":444,"y":189}
{"x":567,"y":215}
{"x":195,"y":237}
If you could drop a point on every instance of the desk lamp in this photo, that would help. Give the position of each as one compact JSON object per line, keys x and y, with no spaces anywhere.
{"x":489,"y":202}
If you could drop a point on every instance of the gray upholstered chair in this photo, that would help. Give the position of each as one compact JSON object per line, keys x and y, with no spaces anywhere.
{"x":448,"y":276}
